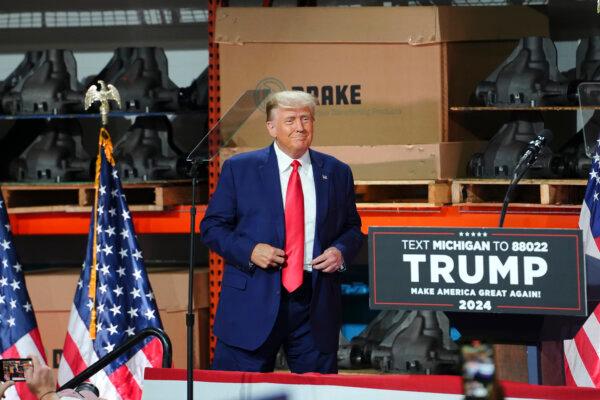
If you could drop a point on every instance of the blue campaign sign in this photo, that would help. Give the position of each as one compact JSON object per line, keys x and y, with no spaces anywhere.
{"x":493,"y":270}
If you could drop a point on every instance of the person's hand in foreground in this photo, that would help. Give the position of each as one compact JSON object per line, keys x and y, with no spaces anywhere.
{"x":40,"y":380}
{"x":4,"y":387}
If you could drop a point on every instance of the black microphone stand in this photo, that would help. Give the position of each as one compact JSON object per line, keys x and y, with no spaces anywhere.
{"x":523,"y":165}
{"x":190,"y":318}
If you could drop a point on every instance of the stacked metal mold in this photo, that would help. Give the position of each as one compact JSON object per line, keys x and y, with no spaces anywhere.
{"x":44,"y":98}
{"x":528,"y":79}
{"x":415,"y":342}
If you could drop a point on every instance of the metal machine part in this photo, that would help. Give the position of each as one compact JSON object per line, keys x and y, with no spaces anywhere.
{"x":588,"y":59}
{"x":504,"y":150}
{"x":577,"y":163}
{"x":195,"y":96}
{"x":56,"y":155}
{"x":50,"y":86}
{"x":147,"y":152}
{"x":528,"y":77}
{"x":403,"y":341}
{"x":142,"y":76}
{"x":24,"y":68}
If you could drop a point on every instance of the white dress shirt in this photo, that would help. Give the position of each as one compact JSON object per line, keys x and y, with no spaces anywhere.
{"x":307,"y":179}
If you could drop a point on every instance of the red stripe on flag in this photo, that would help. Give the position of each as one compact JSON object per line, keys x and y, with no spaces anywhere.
{"x":154,"y":351}
{"x":597,"y":241}
{"x":569,"y":380}
{"x":72,"y":356}
{"x":125,"y":384}
{"x":588,"y":355}
{"x":37,"y":339}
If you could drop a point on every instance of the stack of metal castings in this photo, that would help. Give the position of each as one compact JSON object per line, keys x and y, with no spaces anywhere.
{"x":415,"y":342}
{"x":44,"y":83}
{"x":528,"y":77}
{"x":142,"y":76}
{"x":147,"y":151}
{"x":55,"y":155}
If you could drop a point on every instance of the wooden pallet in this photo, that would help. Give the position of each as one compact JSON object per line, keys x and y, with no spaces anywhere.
{"x":406,"y":193}
{"x":546,"y":192}
{"x":79,"y":197}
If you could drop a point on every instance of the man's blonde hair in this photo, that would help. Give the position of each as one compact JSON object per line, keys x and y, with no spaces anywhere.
{"x":290,"y":99}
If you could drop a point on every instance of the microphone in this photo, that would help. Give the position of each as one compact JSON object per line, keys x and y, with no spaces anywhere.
{"x":534,"y":148}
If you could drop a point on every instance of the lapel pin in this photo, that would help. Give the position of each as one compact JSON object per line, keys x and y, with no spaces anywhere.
{"x":324,"y":177}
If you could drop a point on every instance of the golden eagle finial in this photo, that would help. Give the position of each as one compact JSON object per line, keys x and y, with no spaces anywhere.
{"x":106,"y":93}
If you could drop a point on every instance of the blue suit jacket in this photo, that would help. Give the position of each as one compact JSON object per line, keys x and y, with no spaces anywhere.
{"x":247,"y":209}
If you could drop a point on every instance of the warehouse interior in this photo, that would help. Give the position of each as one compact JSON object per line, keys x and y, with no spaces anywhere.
{"x":432,"y":103}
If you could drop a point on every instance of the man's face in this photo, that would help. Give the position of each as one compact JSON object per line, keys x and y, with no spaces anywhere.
{"x":292,"y":128}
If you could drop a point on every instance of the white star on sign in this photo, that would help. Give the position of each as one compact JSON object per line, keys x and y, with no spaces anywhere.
{"x":150,"y":295}
{"x":109,"y":347}
{"x":7,"y":226}
{"x":90,"y":304}
{"x":2,"y":299}
{"x":102,"y":189}
{"x":130,"y":331}
{"x":113,"y":193}
{"x":112,"y":212}
{"x":17,"y":267}
{"x":114,"y":174}
{"x":124,"y":233}
{"x":5,"y":244}
{"x":100,"y":210}
{"x":13,"y":303}
{"x":5,"y":263}
{"x":27,"y":307}
{"x":105,"y":268}
{"x":11,"y":321}
{"x":4,"y":281}
{"x":100,"y":308}
{"x":123,"y":253}
{"x":121,"y":271}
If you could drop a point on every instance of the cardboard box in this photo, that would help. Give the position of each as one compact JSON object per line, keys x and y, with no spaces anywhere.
{"x":383,"y":75}
{"x":52,"y":296}
{"x":415,"y":161}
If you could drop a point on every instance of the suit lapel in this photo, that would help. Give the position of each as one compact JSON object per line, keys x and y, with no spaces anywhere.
{"x":269,"y":174}
{"x":322,"y":186}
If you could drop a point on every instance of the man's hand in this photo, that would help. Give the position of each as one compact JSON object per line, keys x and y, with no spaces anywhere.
{"x":4,"y":386}
{"x":40,"y":380}
{"x":330,"y":261}
{"x":265,"y":256}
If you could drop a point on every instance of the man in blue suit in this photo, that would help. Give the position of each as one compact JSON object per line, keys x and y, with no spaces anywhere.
{"x":284,"y":219}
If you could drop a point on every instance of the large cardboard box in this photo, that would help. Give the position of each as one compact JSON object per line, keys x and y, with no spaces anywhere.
{"x":384,"y":75}
{"x":52,"y":296}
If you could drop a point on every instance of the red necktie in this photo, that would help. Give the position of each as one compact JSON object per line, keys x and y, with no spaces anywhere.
{"x":294,"y":232}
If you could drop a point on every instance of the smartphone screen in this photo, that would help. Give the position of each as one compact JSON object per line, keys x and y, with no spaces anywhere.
{"x":13,"y":369}
{"x":478,"y":371}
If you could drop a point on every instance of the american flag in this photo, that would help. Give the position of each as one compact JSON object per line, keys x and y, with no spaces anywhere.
{"x":124,"y":301}
{"x":582,"y":353}
{"x":19,"y":334}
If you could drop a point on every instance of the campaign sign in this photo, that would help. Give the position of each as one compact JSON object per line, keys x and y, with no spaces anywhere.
{"x":520,"y":271}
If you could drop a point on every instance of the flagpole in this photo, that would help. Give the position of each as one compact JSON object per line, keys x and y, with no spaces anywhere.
{"x":92,"y":95}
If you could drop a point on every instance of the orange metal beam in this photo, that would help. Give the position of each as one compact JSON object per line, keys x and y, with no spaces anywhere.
{"x":177,"y":220}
